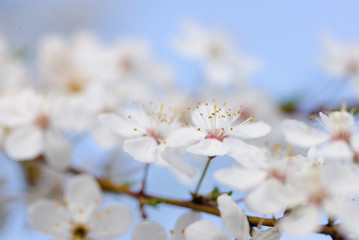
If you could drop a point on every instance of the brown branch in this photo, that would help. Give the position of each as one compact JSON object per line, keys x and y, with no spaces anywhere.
{"x":146,"y":199}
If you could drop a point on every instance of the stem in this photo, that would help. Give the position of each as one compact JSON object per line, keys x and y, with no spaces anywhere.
{"x":203,"y":173}
{"x":144,"y":179}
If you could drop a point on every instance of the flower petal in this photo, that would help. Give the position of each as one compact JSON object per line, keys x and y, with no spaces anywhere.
{"x":49,"y":217}
{"x":251,"y":130}
{"x":184,"y":137}
{"x":239,"y":178}
{"x":24,"y":143}
{"x":149,"y":230}
{"x":305,"y":220}
{"x":118,"y":124}
{"x":57,"y":150}
{"x":111,"y":222}
{"x":233,"y":218}
{"x":268,"y":234}
{"x":266,"y":199}
{"x":337,"y":150}
{"x":142,"y":149}
{"x":174,"y":161}
{"x":209,"y":147}
{"x":301,"y":135}
{"x":245,"y":154}
{"x":205,"y":230}
{"x":183,"y":222}
{"x":82,"y":195}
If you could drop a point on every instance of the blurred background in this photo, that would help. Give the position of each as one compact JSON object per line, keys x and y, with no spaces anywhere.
{"x":286,"y":37}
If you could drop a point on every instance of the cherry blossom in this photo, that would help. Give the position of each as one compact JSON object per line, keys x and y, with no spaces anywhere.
{"x":79,"y":216}
{"x":146,"y":131}
{"x":215,"y":131}
{"x":337,"y":140}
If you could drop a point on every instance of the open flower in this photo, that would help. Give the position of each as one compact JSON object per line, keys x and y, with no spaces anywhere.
{"x":339,"y":135}
{"x":222,"y":64}
{"x":216,"y":132}
{"x":146,"y":131}
{"x":32,"y":120}
{"x":79,"y":217}
{"x":268,"y":177}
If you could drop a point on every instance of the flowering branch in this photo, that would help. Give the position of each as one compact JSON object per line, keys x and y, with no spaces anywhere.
{"x":146,"y":199}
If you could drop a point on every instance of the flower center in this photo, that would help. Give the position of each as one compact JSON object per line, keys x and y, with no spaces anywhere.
{"x":341,"y":126}
{"x":75,"y":86}
{"x":80,"y":232}
{"x":352,"y":68}
{"x":276,"y":174}
{"x":42,"y":121}
{"x":318,"y":197}
{"x":126,"y":64}
{"x":217,"y":134}
{"x":155,"y":135}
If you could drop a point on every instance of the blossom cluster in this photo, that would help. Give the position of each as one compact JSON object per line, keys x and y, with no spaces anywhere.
{"x":123,"y":98}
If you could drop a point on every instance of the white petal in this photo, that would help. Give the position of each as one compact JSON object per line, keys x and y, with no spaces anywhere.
{"x":205,"y":230}
{"x":111,"y":222}
{"x":239,"y":178}
{"x":142,"y":149}
{"x":349,"y":217}
{"x":49,"y":217}
{"x":118,"y":125}
{"x":105,"y":137}
{"x":24,"y":143}
{"x":184,"y":137}
{"x":354,"y":142}
{"x":233,"y":218}
{"x":209,"y":147}
{"x":301,"y":135}
{"x":269,"y":234}
{"x":247,"y":155}
{"x":183,"y":222}
{"x":57,"y":150}
{"x":82,"y":195}
{"x":149,"y":230}
{"x":173,"y":160}
{"x":303,"y":221}
{"x":266,"y":199}
{"x":251,"y":130}
{"x":337,"y":150}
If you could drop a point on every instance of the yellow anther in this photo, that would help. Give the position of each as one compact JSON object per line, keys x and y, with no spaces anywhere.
{"x":198,"y":129}
{"x":172,"y":232}
{"x":135,"y":129}
{"x":129,"y":116}
{"x":276,"y":147}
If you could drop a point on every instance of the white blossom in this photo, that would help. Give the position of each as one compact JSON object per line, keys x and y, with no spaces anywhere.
{"x":215,"y":131}
{"x":337,"y":140}
{"x":79,"y":216}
